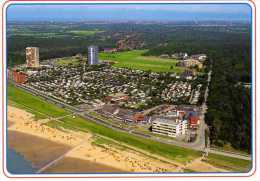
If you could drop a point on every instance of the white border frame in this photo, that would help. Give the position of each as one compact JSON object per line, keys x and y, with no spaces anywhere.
{"x":251,"y":172}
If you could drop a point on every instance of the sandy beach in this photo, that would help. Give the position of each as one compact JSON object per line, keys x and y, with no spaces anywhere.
{"x":64,"y":151}
{"x":127,"y":160}
{"x":41,"y":144}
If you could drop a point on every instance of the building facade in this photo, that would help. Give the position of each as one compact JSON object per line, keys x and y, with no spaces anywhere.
{"x":172,"y":127}
{"x":17,"y":77}
{"x":93,"y":55}
{"x":32,"y":57}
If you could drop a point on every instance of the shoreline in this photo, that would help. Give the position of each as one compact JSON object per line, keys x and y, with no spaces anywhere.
{"x":52,"y":150}
{"x":33,"y":148}
{"x":39,"y":158}
{"x":31,"y":138}
{"x":17,"y":164}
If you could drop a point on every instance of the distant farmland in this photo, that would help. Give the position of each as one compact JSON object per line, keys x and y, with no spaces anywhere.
{"x":85,"y":32}
{"x":135,"y":60}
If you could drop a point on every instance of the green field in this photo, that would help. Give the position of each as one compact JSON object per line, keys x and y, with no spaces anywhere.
{"x":228,"y":147}
{"x":42,"y":35}
{"x":67,"y":61}
{"x":168,"y":151}
{"x":85,"y":32}
{"x":135,"y":60}
{"x":34,"y":103}
{"x":229,"y":163}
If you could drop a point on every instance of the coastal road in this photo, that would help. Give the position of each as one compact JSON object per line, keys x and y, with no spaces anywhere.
{"x":230,"y":154}
{"x":198,"y":144}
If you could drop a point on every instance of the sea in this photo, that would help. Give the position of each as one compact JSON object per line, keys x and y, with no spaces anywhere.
{"x":17,"y":164}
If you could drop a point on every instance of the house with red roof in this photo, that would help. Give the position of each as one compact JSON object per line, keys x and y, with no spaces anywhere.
{"x":17,"y":77}
{"x":193,"y":121}
{"x":138,"y":117}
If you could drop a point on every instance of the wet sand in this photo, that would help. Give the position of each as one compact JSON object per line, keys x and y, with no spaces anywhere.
{"x":37,"y":150}
{"x":76,"y":165}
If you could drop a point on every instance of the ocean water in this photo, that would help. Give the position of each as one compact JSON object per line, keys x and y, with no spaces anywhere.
{"x":16,"y":164}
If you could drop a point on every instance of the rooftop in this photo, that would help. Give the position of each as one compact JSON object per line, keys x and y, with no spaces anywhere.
{"x":193,"y":119}
{"x":173,"y":120}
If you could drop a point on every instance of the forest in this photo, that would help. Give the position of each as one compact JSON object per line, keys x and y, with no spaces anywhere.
{"x":229,"y":102}
{"x":227,"y":45}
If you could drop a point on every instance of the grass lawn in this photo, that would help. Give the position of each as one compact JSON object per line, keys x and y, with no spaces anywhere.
{"x":66,"y":61}
{"x":85,"y":32}
{"x":229,"y":163}
{"x":134,"y":60}
{"x":36,"y":115}
{"x":228,"y":147}
{"x":169,"y":151}
{"x":106,"y":119}
{"x":34,"y":103}
{"x":101,"y":141}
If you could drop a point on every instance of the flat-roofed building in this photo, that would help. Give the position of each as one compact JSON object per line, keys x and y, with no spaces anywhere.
{"x":32,"y":57}
{"x":172,"y":127}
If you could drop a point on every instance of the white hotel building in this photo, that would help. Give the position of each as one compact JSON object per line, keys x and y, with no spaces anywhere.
{"x":172,"y":126}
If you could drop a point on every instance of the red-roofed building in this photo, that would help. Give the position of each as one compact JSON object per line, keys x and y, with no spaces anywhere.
{"x":116,"y":98}
{"x":17,"y":77}
{"x":138,"y":117}
{"x":194,"y":121}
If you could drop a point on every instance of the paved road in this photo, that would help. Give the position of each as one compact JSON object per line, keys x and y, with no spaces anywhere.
{"x":204,"y":108}
{"x":198,"y":144}
{"x":204,"y":127}
{"x":230,"y":154}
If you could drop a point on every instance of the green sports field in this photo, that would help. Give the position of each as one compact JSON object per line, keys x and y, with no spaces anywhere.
{"x":135,"y":60}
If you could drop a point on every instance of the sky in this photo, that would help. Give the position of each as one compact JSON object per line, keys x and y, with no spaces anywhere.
{"x":129,"y":12}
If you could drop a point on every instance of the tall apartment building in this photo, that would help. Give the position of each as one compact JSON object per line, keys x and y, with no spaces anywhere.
{"x":174,"y":126}
{"x":93,"y":55}
{"x":32,"y":57}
